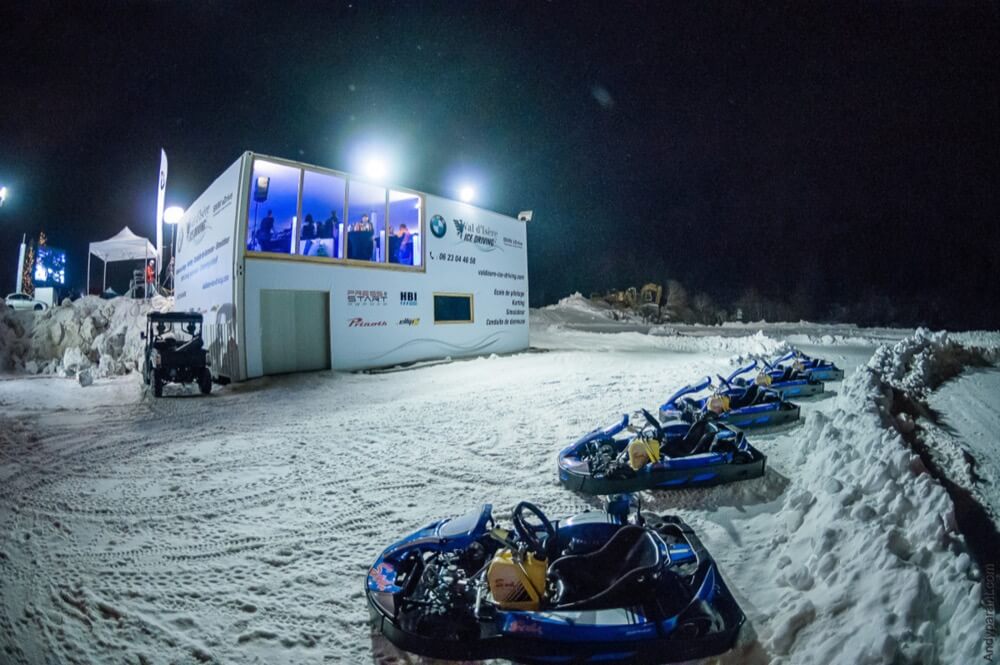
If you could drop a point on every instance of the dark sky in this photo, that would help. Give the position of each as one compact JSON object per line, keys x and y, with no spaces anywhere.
{"x":841,"y":149}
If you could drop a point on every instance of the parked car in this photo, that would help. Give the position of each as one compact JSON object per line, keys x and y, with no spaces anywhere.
{"x":24,"y":301}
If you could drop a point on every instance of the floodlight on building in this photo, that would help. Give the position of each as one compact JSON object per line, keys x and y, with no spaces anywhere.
{"x":375,"y":167}
{"x":466,"y":193}
{"x":3,"y":195}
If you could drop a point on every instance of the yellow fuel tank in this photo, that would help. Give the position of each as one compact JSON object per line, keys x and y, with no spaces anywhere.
{"x":516,"y":583}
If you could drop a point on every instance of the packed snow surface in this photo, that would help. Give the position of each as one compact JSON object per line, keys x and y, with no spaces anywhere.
{"x":237,"y":528}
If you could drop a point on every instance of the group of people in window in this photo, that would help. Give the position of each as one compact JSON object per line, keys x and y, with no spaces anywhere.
{"x":321,"y":239}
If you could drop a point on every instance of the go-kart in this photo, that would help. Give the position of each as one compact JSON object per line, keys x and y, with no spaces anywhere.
{"x":739,"y":406}
{"x":822,"y":370}
{"x":175,"y":352}
{"x":787,"y":380}
{"x":673,"y":455}
{"x":599,"y":587}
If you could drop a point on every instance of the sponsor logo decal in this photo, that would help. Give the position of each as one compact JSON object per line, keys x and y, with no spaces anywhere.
{"x":408,"y":298}
{"x":524,"y":626}
{"x":438,"y":227}
{"x":477,"y":234}
{"x":383,"y":575}
{"x":409,"y":322}
{"x":358,"y":322}
{"x":511,"y":242}
{"x":356,"y":297}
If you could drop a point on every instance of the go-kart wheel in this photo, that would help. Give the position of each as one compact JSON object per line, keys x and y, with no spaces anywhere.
{"x":692,"y":628}
{"x":157,"y":384}
{"x":38,"y":308}
{"x":528,"y":535}
{"x":205,"y":381}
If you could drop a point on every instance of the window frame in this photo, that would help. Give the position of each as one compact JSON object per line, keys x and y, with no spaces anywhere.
{"x":384,"y":264}
{"x":472,"y":307}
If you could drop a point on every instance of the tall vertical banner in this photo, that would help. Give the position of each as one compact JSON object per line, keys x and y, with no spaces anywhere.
{"x":161,"y":191}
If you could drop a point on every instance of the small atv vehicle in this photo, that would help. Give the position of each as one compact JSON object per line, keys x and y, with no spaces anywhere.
{"x":175,"y":352}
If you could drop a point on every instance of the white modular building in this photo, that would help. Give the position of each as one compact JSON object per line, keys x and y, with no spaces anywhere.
{"x":298,"y":267}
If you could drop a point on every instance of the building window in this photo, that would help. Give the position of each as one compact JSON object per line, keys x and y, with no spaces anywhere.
{"x":453,"y":308}
{"x":323,"y":199}
{"x":366,"y":222}
{"x":405,"y":210}
{"x":274,"y":198}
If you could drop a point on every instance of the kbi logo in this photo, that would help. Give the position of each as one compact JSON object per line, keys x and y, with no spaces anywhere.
{"x":438,"y":226}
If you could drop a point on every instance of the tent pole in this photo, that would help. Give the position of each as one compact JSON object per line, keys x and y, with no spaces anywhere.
{"x":104,"y":282}
{"x":88,"y":274}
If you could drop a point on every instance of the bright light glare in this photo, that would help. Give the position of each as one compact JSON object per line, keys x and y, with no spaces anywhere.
{"x":173,"y":214}
{"x":375,"y":168}
{"x":466,"y":194}
{"x":3,"y":194}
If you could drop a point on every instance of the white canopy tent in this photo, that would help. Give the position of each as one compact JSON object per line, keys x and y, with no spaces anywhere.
{"x":124,"y":246}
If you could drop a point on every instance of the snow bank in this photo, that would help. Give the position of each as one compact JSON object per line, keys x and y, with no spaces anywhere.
{"x":94,"y":335}
{"x":574,"y":308}
{"x":868,"y":566}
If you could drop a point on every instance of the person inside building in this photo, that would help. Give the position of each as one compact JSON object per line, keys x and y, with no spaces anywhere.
{"x":264,"y":231}
{"x":405,"y":255}
{"x":329,"y":230}
{"x":308,"y":234}
{"x":361,"y":242}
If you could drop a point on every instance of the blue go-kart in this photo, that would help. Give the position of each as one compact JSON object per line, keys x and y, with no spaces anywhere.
{"x":739,"y":406}
{"x":817,"y":368}
{"x":786,"y":380}
{"x":629,"y":458}
{"x":610,"y":586}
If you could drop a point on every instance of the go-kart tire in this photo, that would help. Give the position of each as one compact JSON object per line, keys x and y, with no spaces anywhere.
{"x":205,"y":381}
{"x":157,"y":384}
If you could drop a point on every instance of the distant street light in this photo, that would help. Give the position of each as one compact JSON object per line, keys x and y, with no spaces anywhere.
{"x":466,"y":194}
{"x":3,"y":195}
{"x":173,"y":214}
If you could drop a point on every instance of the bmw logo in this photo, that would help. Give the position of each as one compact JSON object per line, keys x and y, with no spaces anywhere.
{"x":438,"y":226}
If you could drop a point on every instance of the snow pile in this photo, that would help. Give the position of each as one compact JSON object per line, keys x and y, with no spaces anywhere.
{"x":869,"y":567}
{"x":574,"y":308}
{"x":556,"y":338}
{"x":919,"y":364}
{"x":91,"y":336}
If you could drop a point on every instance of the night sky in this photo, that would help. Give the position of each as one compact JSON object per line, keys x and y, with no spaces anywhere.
{"x":838,"y":151}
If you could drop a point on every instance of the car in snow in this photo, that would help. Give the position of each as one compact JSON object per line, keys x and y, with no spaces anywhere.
{"x":24,"y":301}
{"x":175,"y":352}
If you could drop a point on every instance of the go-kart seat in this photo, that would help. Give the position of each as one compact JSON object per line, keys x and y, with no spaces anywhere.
{"x":193,"y":344}
{"x":697,"y":440}
{"x":618,"y":573}
{"x":752,"y":395}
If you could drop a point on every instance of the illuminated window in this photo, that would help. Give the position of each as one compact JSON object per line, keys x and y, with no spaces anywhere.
{"x":274,"y":198}
{"x":404,"y":219}
{"x":366,"y":222}
{"x":323,"y":198}
{"x":453,"y":308}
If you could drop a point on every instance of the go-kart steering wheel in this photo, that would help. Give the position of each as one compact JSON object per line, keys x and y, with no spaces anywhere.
{"x":652,"y":421}
{"x":724,"y":382}
{"x":529,"y":536}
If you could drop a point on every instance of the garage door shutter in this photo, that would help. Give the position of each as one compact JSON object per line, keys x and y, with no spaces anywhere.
{"x":295,"y":330}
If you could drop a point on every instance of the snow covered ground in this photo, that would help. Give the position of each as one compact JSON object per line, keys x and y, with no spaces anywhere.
{"x":237,"y":528}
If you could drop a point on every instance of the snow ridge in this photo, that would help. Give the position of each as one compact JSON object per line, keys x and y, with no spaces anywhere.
{"x":870,"y":567}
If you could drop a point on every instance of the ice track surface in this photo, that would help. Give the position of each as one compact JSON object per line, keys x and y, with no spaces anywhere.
{"x":238,"y":528}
